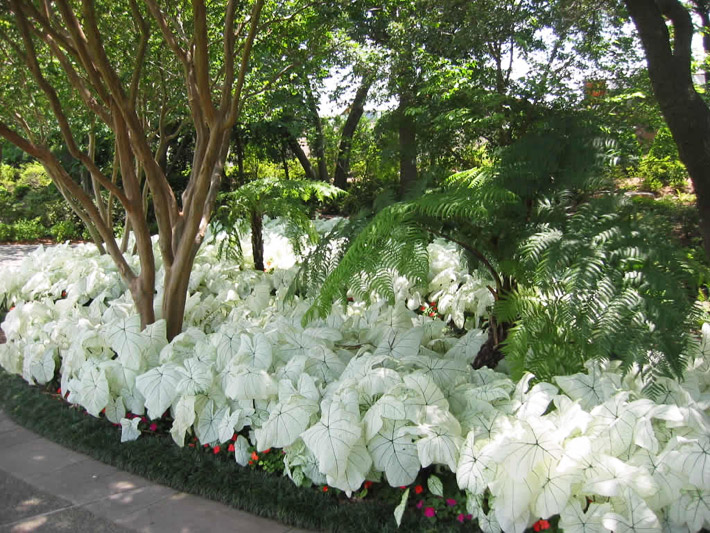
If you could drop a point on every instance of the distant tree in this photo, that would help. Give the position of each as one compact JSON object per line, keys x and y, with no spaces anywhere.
{"x":669,"y":56}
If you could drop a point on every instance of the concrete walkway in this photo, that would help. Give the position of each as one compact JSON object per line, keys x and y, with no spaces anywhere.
{"x":12,"y":254}
{"x":47,"y":488}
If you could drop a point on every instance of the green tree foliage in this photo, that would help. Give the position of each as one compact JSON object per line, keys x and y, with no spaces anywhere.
{"x":245,"y":208}
{"x":573,"y":270}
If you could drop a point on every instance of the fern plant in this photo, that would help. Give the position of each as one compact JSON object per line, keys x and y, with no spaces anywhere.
{"x":244,"y":209}
{"x":604,"y":283}
{"x":574,"y":273}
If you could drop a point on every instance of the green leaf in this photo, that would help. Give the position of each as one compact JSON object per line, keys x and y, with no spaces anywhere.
{"x":436,"y":487}
{"x":399,"y":510}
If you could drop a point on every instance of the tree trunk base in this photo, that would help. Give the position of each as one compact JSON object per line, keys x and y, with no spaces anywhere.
{"x":490,"y":353}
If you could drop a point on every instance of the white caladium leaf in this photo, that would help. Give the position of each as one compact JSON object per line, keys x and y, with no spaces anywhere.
{"x":527,"y":444}
{"x":156,"y":338}
{"x":134,"y":400}
{"x":246,"y":383}
{"x":125,"y":338}
{"x":93,"y":391}
{"x":399,"y":510}
{"x":614,"y":424}
{"x":476,"y":467}
{"x":241,"y":451}
{"x":468,"y":346}
{"x":441,"y":439}
{"x":119,"y":377}
{"x":394,"y":453}
{"x":196,"y":376}
{"x":513,"y":499}
{"x":230,"y":423}
{"x":573,"y":519}
{"x":227,"y":341}
{"x":255,"y":352}
{"x":400,"y":344}
{"x":555,"y":489}
{"x":129,"y":429}
{"x":115,"y":410}
{"x":446,"y":373}
{"x":690,"y":508}
{"x":286,"y":422}
{"x":184,"y":417}
{"x":356,"y":468}
{"x":637,"y":517}
{"x":323,"y":364}
{"x":159,"y":388}
{"x":323,"y":333}
{"x":669,"y":481}
{"x":692,"y":456}
{"x":42,"y":368}
{"x":590,"y":389}
{"x":379,"y":381}
{"x":537,"y":400}
{"x":333,"y":437}
{"x":209,"y":420}
{"x":426,"y":394}
{"x":610,"y":476}
{"x":387,"y":406}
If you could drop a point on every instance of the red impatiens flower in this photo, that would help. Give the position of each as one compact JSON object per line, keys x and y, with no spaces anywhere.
{"x":541,"y":525}
{"x":418,"y":489}
{"x":429,"y":512}
{"x":255,"y":456}
{"x":230,"y":448}
{"x":460,"y":518}
{"x":216,"y":450}
{"x":450,"y":502}
{"x":234,"y":437}
{"x":368,"y":484}
{"x":267,"y":450}
{"x":153,"y":426}
{"x":325,"y":488}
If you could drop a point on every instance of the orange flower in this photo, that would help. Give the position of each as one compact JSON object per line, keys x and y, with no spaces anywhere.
{"x":255,"y":456}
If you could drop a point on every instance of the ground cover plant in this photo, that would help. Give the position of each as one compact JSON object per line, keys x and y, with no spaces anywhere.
{"x":369,"y":396}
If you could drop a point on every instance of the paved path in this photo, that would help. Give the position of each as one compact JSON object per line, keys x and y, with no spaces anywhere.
{"x":13,"y":254}
{"x":47,"y":488}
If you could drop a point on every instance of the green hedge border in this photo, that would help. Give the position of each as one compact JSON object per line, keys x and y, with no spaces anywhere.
{"x":191,"y":470}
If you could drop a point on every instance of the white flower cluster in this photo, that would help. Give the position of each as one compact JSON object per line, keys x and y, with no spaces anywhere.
{"x":370,"y":393}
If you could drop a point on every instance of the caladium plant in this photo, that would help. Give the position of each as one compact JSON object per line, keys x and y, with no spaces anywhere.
{"x":370,"y":392}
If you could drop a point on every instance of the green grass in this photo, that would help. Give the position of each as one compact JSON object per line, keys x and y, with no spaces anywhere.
{"x":192,"y":470}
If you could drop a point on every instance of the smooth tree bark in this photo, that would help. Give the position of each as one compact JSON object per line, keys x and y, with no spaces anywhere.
{"x":318,"y":137}
{"x":342,"y":164}
{"x":70,"y":34}
{"x":300,"y":154}
{"x":257,"y":238}
{"x":687,"y":115}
